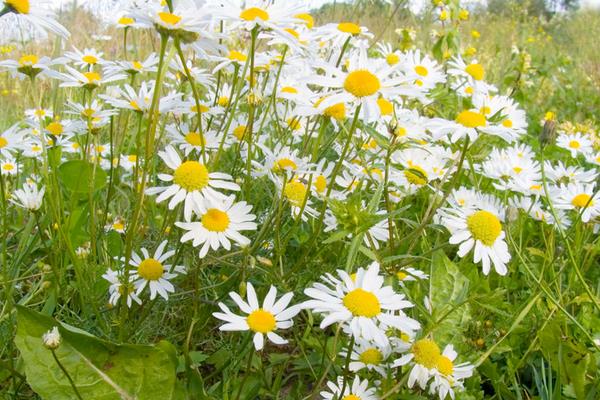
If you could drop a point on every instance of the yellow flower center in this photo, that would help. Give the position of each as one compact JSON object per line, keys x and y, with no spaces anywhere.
{"x":476,"y":71}
{"x":126,"y":21}
{"x":8,"y":167}
{"x":195,"y":139}
{"x":371,"y":356}
{"x":20,"y":6}
{"x":3,"y":142}
{"x":320,"y":183}
{"x":336,"y":111}
{"x":239,"y":132}
{"x":237,"y":56}
{"x":294,"y":124}
{"x":169,"y":18}
{"x":137,"y":65}
{"x":118,"y":226}
{"x":416,"y":175}
{"x":582,"y":200}
{"x":401,"y":275}
{"x":215,"y":220}
{"x":135,"y":105}
{"x":351,"y":397}
{"x":293,"y":33}
{"x":349,"y":27}
{"x":28,"y":60}
{"x":471,"y":119}
{"x":150,"y":269}
{"x":485,"y":110}
{"x":92,"y":77}
{"x":289,"y":89}
{"x":426,"y":352}
{"x":252,"y":13}
{"x":484,"y":226}
{"x":132,"y":158}
{"x":362,"y":303}
{"x":261,"y":321}
{"x":421,"y":70}
{"x":223,"y":101}
{"x":191,"y":175}
{"x":507,"y":123}
{"x":392,"y":59}
{"x":55,"y":128}
{"x":309,"y":21}
{"x":362,"y":83}
{"x":574,"y":144}
{"x":285,"y":163}
{"x":386,"y":107}
{"x":90,"y":59}
{"x":202,"y":108}
{"x":295,"y":192}
{"x":444,"y":365}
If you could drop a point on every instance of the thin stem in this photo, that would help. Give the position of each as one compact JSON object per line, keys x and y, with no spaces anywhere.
{"x":66,"y":374}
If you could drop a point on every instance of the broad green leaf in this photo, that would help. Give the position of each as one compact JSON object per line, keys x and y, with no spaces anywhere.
{"x":101,"y":370}
{"x":77,"y":176}
{"x":449,"y":290}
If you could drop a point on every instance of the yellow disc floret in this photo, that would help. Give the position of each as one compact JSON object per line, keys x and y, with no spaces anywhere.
{"x":295,"y":192}
{"x":169,"y":18}
{"x":471,"y":119}
{"x":476,"y":71}
{"x":426,"y":352}
{"x":215,"y":220}
{"x":444,"y":365}
{"x":362,"y":303}
{"x":484,"y":226}
{"x":20,"y":6}
{"x":371,"y":356}
{"x":362,"y":83}
{"x":582,"y":200}
{"x":349,"y":27}
{"x":195,"y":139}
{"x":150,"y":269}
{"x":191,"y":175}
{"x":261,"y":321}
{"x":252,"y":13}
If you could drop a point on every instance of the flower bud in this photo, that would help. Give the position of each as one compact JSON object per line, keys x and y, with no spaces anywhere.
{"x":52,"y":339}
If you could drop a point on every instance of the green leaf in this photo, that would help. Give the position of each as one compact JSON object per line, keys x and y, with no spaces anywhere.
{"x":448,"y":294}
{"x":101,"y":370}
{"x":78,"y":175}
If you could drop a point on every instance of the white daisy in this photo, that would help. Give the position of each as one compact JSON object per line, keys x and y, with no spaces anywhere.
{"x":363,"y":303}
{"x":152,"y":271}
{"x":192,"y":183}
{"x":29,"y":197}
{"x":261,"y":320}
{"x":220,"y":223}
{"x":358,"y":390}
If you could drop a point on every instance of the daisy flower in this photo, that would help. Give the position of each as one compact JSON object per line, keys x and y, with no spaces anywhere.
{"x":368,"y":355}
{"x":358,"y":390}
{"x":88,"y":80}
{"x":29,"y":65}
{"x":576,"y":143}
{"x":424,"y":354}
{"x":583,"y":198}
{"x":192,"y":183}
{"x":117,"y":288}
{"x":9,"y":167}
{"x":363,"y":82}
{"x":449,"y":377}
{"x":40,"y":15}
{"x":261,"y":320}
{"x":11,"y":140}
{"x":220,"y":223}
{"x":87,"y":58}
{"x":29,"y":197}
{"x":188,"y":140}
{"x":479,"y":228}
{"x":362,"y":303}
{"x":152,"y":271}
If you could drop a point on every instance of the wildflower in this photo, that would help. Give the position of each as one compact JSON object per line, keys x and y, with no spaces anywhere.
{"x":220,"y":223}
{"x":39,"y":15}
{"x":260,"y":320}
{"x":192,"y":183}
{"x":358,"y":390}
{"x":362,"y":304}
{"x":52,"y":339}
{"x":154,"y":272}
{"x":29,"y":197}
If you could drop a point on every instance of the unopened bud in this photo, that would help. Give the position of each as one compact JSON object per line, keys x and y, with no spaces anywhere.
{"x":52,"y":339}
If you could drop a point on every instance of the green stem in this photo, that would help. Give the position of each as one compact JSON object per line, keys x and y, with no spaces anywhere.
{"x":66,"y":374}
